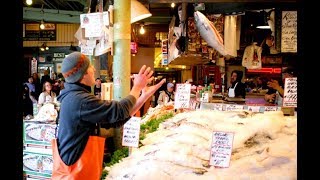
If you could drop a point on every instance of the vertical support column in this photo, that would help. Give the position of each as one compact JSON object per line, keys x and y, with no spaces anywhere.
{"x":122,"y":55}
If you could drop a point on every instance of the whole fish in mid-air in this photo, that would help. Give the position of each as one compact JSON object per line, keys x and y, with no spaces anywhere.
{"x":209,"y":33}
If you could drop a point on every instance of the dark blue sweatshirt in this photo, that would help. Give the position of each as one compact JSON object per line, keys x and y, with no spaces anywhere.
{"x":79,"y":112}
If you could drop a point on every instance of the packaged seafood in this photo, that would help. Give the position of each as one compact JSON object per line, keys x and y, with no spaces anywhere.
{"x":38,"y":133}
{"x":37,"y":164}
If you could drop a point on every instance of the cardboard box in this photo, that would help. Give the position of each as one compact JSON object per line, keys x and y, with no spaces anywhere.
{"x":37,"y":164}
{"x":38,"y":133}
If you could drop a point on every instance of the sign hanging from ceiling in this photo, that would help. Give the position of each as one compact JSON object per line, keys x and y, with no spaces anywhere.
{"x":32,"y":32}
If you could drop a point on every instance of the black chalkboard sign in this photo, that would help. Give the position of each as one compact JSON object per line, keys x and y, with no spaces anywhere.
{"x":32,"y":32}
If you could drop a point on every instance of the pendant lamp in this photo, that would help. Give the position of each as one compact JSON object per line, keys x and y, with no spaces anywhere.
{"x":264,"y":22}
{"x":138,"y":11}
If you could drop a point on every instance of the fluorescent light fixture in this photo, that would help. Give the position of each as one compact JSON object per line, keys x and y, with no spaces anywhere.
{"x":138,"y":11}
{"x":264,"y":23}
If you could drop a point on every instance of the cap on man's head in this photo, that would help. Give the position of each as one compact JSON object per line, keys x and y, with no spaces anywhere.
{"x":74,"y":66}
{"x":170,"y":85}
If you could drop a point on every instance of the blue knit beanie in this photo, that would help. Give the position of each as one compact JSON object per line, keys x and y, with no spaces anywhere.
{"x":74,"y":66}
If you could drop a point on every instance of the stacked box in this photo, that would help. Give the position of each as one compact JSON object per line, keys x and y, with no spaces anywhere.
{"x":37,"y":150}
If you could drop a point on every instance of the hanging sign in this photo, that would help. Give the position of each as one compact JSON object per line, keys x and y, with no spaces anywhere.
{"x":221,"y":148}
{"x":32,"y":32}
{"x":93,"y":22}
{"x":34,"y":65}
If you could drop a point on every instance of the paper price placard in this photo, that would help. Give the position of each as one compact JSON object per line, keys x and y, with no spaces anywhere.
{"x":290,"y":92}
{"x":233,"y":107}
{"x":254,"y":108}
{"x":221,"y":148}
{"x":182,"y":96}
{"x":131,"y":131}
{"x":270,"y":108}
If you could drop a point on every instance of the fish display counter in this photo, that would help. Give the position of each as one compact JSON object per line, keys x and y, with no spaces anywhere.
{"x":264,"y":146}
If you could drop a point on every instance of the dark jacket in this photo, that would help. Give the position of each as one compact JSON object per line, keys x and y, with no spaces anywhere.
{"x":79,"y":113}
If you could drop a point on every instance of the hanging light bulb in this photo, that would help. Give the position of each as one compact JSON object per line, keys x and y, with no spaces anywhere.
{"x":172,"y":5}
{"x":47,"y":48}
{"x":42,"y":48}
{"x":42,"y":25}
{"x":142,"y":31}
{"x":29,"y":2}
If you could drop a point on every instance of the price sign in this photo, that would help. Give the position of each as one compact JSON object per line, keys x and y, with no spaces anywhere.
{"x":182,"y":96}
{"x":233,"y":107}
{"x":290,"y":92}
{"x":131,"y":131}
{"x":254,"y":108}
{"x":270,"y":108}
{"x":221,"y":148}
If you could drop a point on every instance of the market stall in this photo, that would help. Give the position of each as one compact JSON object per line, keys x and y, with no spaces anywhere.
{"x":264,"y":146}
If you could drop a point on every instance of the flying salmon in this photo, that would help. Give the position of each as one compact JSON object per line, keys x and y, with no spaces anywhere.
{"x":209,"y":33}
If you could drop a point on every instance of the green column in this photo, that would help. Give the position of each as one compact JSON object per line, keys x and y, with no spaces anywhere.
{"x":122,"y":55}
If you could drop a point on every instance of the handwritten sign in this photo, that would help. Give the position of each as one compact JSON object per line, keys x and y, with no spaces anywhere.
{"x":270,"y":108}
{"x":205,"y":97}
{"x":87,"y":50}
{"x":182,"y":96}
{"x":221,"y":148}
{"x":254,"y":108}
{"x":289,"y":31}
{"x":93,"y":23}
{"x":290,"y":92}
{"x":131,"y":130}
{"x":233,"y":107}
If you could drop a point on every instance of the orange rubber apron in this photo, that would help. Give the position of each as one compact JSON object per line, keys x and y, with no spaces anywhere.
{"x":89,"y":165}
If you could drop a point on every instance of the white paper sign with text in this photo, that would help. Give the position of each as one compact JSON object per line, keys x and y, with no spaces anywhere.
{"x":290,"y":92}
{"x":131,"y":131}
{"x":289,"y":31}
{"x":221,"y":148}
{"x":182,"y":96}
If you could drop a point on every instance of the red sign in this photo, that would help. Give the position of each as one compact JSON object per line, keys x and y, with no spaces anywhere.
{"x":266,"y":70}
{"x":134,"y":47}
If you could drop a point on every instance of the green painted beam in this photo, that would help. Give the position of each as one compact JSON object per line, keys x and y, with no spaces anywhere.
{"x":51,"y":15}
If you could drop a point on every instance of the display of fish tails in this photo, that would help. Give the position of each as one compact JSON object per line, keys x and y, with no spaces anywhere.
{"x":210,"y":34}
{"x":37,"y":162}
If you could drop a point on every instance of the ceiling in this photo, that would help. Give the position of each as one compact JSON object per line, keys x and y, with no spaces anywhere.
{"x":68,"y":11}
